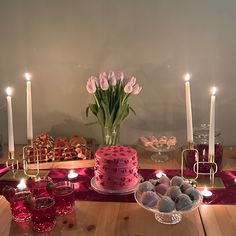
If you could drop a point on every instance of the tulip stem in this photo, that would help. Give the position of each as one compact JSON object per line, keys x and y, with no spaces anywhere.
{"x":96,"y":100}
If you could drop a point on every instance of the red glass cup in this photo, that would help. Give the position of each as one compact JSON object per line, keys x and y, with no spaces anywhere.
{"x":63,"y":193}
{"x":19,"y":212}
{"x":39,"y":188}
{"x":43,"y":214}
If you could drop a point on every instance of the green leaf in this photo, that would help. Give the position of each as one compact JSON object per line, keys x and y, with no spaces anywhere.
{"x":100,"y":116}
{"x":132,"y":110}
{"x":94,"y":108}
{"x":87,"y":111}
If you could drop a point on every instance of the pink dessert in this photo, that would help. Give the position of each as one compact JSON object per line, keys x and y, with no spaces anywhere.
{"x":116,"y":168}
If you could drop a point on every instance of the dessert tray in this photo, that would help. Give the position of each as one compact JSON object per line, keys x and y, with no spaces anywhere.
{"x":98,"y":189}
{"x":59,"y":152}
{"x":172,"y":217}
{"x":160,"y":146}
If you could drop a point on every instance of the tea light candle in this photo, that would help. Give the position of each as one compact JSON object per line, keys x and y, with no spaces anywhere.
{"x":160,"y":174}
{"x":206,"y":193}
{"x":72,"y":175}
{"x":22,"y":185}
{"x":235,"y":180}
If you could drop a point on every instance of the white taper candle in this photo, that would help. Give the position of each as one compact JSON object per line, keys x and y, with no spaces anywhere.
{"x":188,"y":109}
{"x":29,"y":107}
{"x":11,"y":147}
{"x":212,"y":123}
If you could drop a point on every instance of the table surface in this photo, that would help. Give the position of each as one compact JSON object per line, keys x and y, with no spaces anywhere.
{"x":129,"y":219}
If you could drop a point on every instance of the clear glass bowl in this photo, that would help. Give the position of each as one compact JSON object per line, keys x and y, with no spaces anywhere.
{"x":161,"y":154}
{"x":170,"y":218}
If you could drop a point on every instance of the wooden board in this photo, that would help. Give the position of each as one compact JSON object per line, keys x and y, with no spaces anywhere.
{"x":63,"y":164}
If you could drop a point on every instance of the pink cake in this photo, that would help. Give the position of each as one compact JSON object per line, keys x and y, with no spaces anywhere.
{"x":116,"y":168}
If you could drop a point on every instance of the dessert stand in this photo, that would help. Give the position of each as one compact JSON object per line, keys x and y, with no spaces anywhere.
{"x":170,"y":218}
{"x":105,"y":191}
{"x":161,"y":154}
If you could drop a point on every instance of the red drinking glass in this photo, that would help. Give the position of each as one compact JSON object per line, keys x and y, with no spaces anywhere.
{"x":63,"y":193}
{"x":43,"y":214}
{"x":40,"y":187}
{"x":19,"y":212}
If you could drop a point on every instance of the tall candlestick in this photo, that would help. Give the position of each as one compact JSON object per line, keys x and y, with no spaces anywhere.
{"x":188,"y":109}
{"x":29,"y":107}
{"x":212,"y":124}
{"x":11,"y":148}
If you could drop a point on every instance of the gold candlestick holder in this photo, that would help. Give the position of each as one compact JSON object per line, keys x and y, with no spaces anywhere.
{"x":26,"y":153}
{"x":200,"y":177}
{"x":12,"y":163}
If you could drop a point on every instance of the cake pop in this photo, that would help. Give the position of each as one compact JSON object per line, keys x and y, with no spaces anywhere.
{"x":161,"y":189}
{"x":166,"y":204}
{"x":176,"y":181}
{"x":185,"y":186}
{"x":193,"y":194}
{"x":173,"y":192}
{"x":183,"y":203}
{"x":149,"y":199}
{"x":164,"y":180}
{"x":146,"y":186}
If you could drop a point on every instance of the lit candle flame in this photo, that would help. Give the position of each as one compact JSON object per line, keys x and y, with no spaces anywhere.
{"x":72,"y":174}
{"x":8,"y":91}
{"x":206,"y":192}
{"x":160,"y":174}
{"x":213,"y":91}
{"x":22,"y":185}
{"x":28,"y":76}
{"x":187,"y":77}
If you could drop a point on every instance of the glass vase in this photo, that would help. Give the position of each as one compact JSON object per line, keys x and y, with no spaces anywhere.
{"x":110,"y":136}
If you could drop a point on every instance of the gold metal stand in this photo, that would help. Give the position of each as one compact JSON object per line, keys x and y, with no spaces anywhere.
{"x":200,"y":178}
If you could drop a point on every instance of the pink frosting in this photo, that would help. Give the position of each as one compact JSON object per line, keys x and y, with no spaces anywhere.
{"x":116,"y":167}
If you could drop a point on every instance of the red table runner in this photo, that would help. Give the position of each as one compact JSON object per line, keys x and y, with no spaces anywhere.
{"x":84,"y":191}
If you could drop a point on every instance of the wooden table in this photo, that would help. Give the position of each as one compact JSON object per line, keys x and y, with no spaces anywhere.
{"x":129,"y":219}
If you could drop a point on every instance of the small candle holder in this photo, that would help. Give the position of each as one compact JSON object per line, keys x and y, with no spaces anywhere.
{"x":206,"y":193}
{"x":11,"y":162}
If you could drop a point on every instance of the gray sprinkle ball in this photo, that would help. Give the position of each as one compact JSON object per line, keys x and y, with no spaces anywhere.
{"x":183,"y":203}
{"x":193,"y":194}
{"x":176,"y":181}
{"x":164,"y":180}
{"x":149,"y":199}
{"x":166,"y":204}
{"x":146,"y":186}
{"x":173,"y":192}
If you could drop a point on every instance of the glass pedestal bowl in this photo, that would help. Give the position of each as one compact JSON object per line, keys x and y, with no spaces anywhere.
{"x":170,"y":218}
{"x":160,"y":154}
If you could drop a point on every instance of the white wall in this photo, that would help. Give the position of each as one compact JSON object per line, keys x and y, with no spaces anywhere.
{"x":63,"y":42}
